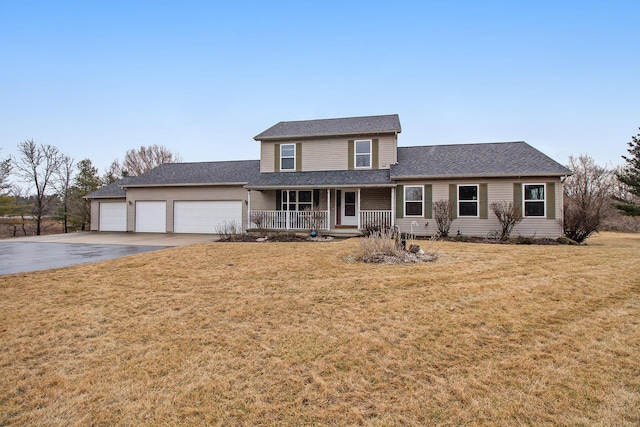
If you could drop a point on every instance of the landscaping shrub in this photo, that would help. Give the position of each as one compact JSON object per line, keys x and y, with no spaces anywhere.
{"x":443,"y":214}
{"x":509,"y":216}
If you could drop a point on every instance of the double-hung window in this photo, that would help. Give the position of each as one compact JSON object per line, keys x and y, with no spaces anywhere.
{"x":413,"y":200}
{"x":468,"y":200}
{"x":534,"y":200}
{"x":363,"y":153}
{"x":287,"y":157}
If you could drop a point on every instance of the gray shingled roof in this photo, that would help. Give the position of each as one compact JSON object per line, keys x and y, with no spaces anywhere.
{"x":111,"y":191}
{"x":201,"y":173}
{"x":342,"y":178}
{"x":329,"y":127}
{"x":474,"y":160}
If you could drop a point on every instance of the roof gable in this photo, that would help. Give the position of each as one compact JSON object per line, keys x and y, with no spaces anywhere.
{"x":332,"y":127}
{"x":474,"y":160}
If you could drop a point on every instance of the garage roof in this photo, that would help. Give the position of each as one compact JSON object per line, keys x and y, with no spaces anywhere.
{"x":111,"y":191}
{"x":237,"y":172}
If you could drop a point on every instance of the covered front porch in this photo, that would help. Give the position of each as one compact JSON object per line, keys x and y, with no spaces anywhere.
{"x":336,"y":211}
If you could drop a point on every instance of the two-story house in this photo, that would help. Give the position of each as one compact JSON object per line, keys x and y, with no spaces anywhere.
{"x":340,"y":176}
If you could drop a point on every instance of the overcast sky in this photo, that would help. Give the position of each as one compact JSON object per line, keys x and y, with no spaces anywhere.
{"x":95,"y":78}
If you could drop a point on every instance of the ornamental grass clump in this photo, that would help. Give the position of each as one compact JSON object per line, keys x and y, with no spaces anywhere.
{"x":380,"y":246}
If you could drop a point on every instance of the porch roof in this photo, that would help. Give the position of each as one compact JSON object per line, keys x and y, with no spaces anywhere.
{"x":322,"y":179}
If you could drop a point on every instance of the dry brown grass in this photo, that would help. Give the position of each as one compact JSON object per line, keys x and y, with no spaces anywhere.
{"x":291,"y":334}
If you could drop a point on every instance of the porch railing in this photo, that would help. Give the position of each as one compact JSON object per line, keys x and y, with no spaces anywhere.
{"x":377,"y":219}
{"x":289,"y":220}
{"x":313,"y":220}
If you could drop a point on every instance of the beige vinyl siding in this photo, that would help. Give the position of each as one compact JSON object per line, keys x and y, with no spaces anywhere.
{"x":325,"y":154}
{"x":497,"y":190}
{"x":263,"y":200}
{"x":171,"y":194}
{"x":375,"y":199}
{"x":267,"y":156}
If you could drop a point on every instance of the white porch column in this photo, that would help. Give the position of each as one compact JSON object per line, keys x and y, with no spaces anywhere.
{"x":248,"y":208}
{"x":328,"y":209}
{"x":286,"y":212}
{"x":393,"y":207}
{"x":358,"y":210}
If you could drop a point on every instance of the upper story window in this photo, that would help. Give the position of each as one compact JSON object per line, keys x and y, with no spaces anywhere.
{"x":468,"y":200}
{"x":413,"y":200}
{"x":287,"y":157}
{"x":363,"y":153}
{"x":534,"y":200}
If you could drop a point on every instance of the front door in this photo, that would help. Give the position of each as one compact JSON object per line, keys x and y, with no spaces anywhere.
{"x":349,"y":210}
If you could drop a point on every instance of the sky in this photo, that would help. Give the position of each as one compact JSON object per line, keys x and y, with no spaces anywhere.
{"x":202,"y":78}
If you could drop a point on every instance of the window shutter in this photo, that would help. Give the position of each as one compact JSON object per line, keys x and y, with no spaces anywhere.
{"x":551,"y":200}
{"x":453,"y":197}
{"x":517,"y":196}
{"x":276,"y":157}
{"x":278,"y":200}
{"x":428,"y":196}
{"x":298,"y":156}
{"x":399,"y":201}
{"x":484,"y":202}
{"x":316,"y":197}
{"x":374,"y":154}
{"x":350,"y":158}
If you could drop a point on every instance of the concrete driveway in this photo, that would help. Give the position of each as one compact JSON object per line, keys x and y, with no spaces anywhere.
{"x":25,"y":254}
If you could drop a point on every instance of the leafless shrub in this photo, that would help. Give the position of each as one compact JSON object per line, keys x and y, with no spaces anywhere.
{"x":509,"y":216}
{"x":228,"y":230}
{"x":443,"y":214}
{"x":314,"y":219}
{"x":259,"y":219}
{"x":586,"y":197}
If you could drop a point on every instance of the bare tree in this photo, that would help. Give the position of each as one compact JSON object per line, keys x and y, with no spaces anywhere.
{"x":63,"y":185}
{"x":137,"y":162}
{"x":38,"y":165}
{"x":509,"y":216}
{"x":443,"y":214}
{"x":113,"y":173}
{"x":586,"y":197}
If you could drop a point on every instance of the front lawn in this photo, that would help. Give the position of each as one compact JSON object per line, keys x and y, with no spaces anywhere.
{"x":298,"y":334}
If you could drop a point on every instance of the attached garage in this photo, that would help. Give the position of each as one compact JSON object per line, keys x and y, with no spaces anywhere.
{"x":151,"y":217}
{"x":113,"y":216}
{"x":205,"y":216}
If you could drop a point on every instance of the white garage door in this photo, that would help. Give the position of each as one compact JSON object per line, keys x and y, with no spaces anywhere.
{"x":151,"y":217}
{"x":113,"y":216}
{"x":205,"y":217}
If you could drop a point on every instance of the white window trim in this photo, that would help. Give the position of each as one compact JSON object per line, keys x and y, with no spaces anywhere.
{"x":294,"y":158}
{"x":524,"y":200}
{"x":286,"y":204}
{"x":355,"y":154}
{"x":404,"y":206}
{"x":477,"y":201}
